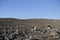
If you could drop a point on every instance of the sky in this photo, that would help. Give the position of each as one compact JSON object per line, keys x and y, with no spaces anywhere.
{"x":25,"y":9}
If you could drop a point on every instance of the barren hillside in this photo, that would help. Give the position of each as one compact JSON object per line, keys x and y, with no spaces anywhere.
{"x":29,"y":29}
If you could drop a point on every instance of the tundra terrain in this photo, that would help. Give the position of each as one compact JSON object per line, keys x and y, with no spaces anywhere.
{"x":29,"y":29}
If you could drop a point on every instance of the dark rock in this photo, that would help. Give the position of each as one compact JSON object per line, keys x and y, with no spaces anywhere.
{"x":49,"y":26}
{"x":34,"y":39}
{"x":58,"y":32}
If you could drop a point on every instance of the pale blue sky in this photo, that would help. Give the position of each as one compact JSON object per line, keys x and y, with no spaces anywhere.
{"x":30,"y":9}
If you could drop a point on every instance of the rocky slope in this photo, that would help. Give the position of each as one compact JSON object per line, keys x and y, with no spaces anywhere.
{"x":29,"y":29}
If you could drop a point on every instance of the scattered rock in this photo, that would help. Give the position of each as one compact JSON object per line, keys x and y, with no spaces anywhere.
{"x":13,"y":29}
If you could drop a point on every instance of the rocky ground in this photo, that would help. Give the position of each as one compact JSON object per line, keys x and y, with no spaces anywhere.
{"x":29,"y":29}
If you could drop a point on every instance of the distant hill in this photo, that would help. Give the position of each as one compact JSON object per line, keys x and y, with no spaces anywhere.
{"x":14,"y":23}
